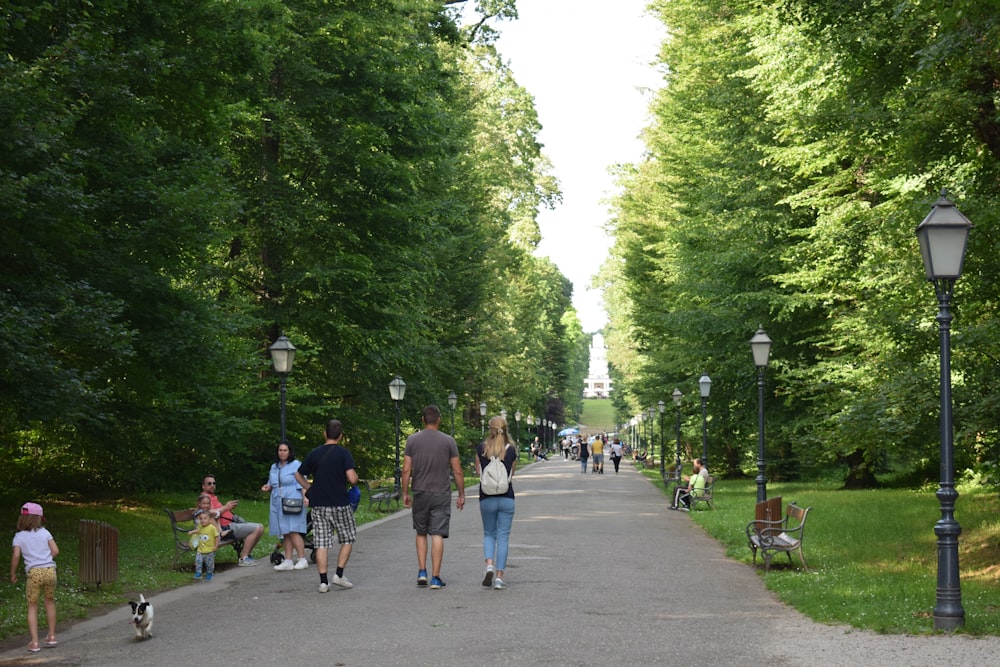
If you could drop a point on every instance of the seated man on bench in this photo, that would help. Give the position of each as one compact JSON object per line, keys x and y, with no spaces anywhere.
{"x":696,"y":487}
{"x":248,"y":533}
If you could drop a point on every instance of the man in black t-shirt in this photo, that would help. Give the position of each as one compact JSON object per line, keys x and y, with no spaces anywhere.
{"x":332,"y":468}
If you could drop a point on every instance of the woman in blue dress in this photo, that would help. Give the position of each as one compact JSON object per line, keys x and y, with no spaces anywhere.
{"x":281,"y":484}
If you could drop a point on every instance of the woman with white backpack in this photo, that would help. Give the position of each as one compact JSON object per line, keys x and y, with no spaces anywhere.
{"x":496,"y":459}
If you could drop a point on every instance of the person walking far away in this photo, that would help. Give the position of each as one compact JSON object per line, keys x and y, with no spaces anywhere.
{"x":332,"y":468}
{"x":496,"y":501}
{"x":584,"y":455}
{"x":597,"y":454}
{"x":234,"y":525}
{"x":427,"y":459}
{"x":616,"y":453}
{"x":281,"y":483}
{"x":39,"y":550}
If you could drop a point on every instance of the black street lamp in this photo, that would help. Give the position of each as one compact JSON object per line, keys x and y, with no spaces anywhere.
{"x":517,"y":419}
{"x":761,"y":346}
{"x":705,"y":385}
{"x":482,"y":418}
{"x":643,"y":439}
{"x":397,"y":389}
{"x":531,"y":422}
{"x":943,"y":236}
{"x":677,"y":396}
{"x":452,"y":402}
{"x":650,"y":411}
{"x":282,"y":356}
{"x":661,"y":406}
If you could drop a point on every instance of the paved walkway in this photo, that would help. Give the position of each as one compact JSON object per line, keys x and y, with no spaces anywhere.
{"x":600,"y":573}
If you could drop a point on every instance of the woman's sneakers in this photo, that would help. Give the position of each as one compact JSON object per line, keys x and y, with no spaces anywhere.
{"x":499,"y":585}
{"x":285,"y":565}
{"x":488,"y":576}
{"x":301,"y":564}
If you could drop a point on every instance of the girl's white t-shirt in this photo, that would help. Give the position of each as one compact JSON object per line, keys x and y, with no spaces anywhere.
{"x":35,"y":548}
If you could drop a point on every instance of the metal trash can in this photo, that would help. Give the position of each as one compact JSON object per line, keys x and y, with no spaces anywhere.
{"x":98,"y":552}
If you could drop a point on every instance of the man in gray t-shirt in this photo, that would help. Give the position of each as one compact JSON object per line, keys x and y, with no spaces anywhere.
{"x":428,"y":459}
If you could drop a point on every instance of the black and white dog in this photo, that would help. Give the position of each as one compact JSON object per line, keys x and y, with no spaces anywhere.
{"x":142,"y":618}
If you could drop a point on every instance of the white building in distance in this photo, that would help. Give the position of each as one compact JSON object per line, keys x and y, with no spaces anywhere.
{"x":598,"y":382}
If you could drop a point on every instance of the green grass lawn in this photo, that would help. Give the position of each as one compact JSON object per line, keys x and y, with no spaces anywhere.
{"x":872,"y":554}
{"x":598,"y":415}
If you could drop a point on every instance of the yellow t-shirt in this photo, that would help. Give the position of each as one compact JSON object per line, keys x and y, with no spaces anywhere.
{"x":205,"y":539}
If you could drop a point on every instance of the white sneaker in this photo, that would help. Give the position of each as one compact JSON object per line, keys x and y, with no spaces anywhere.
{"x":301,"y":564}
{"x":341,"y":581}
{"x":284,"y":565}
{"x":323,"y":588}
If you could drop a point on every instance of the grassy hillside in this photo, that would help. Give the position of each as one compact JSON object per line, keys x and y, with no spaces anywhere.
{"x":598,"y":415}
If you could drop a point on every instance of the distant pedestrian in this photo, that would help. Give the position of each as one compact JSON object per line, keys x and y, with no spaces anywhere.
{"x":565,"y":448}
{"x":616,"y":453}
{"x":332,"y":468}
{"x":497,"y":510}
{"x":584,"y":455}
{"x":428,"y":458}
{"x":39,"y":550}
{"x":597,"y":454}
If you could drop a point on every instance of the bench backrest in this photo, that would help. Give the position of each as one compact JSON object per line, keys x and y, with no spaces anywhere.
{"x":797,"y":513}
{"x":180,"y":516}
{"x":767,"y":514}
{"x":707,"y":491}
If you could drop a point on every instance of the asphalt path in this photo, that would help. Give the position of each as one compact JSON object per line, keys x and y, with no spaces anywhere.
{"x":599,"y":573}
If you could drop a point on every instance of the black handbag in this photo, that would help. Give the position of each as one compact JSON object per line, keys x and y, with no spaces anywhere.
{"x":291,"y":505}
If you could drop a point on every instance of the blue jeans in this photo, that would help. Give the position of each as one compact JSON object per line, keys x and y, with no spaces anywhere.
{"x":498,"y":515}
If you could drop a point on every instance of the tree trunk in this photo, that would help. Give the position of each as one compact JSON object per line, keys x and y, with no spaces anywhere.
{"x":860,"y":471}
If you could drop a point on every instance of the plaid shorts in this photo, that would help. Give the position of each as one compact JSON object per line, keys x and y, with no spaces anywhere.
{"x":327,"y":520}
{"x":41,"y":581}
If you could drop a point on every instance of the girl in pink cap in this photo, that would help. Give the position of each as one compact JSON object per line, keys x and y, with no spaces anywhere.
{"x":39,"y":550}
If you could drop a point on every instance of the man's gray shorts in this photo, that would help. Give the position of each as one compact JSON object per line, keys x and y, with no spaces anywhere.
{"x":242,"y":531}
{"x":431,"y":513}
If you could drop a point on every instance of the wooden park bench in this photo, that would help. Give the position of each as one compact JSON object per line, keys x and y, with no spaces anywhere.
{"x":705,"y":497}
{"x":770,"y":533}
{"x":181,"y":521}
{"x":381,"y":493}
{"x":672,"y":477}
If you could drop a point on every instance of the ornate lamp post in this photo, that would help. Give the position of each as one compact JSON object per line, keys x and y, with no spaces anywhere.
{"x":482,"y":418}
{"x":452,"y":403}
{"x":678,"y":396}
{"x":650,"y":411}
{"x":640,"y":418}
{"x":705,"y":385}
{"x":397,"y":389}
{"x":661,"y":406}
{"x":531,"y":422}
{"x":761,"y":346}
{"x":517,"y":420}
{"x":282,"y":356}
{"x":943,"y":236}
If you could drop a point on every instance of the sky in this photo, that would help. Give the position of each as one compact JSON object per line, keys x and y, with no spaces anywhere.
{"x":588,"y":65}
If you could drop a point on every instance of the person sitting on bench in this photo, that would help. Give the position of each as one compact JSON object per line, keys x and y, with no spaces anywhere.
{"x":696,"y":486}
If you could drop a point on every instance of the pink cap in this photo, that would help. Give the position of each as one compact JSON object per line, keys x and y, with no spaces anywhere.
{"x":31,"y":508}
